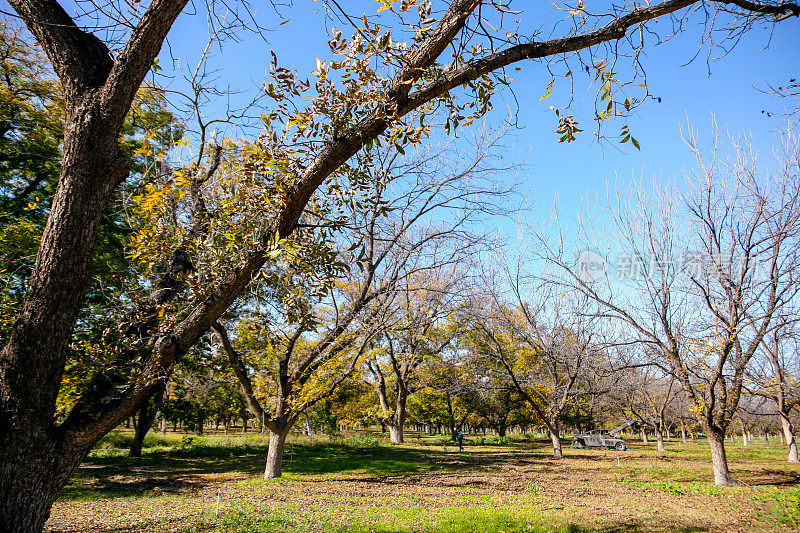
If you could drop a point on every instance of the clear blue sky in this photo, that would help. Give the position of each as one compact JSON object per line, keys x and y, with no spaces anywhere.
{"x":729,"y":92}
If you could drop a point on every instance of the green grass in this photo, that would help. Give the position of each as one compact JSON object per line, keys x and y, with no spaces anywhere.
{"x":781,"y":507}
{"x":359,"y":482}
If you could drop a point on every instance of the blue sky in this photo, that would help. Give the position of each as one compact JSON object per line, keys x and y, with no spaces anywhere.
{"x":726,"y":89}
{"x":729,"y":92}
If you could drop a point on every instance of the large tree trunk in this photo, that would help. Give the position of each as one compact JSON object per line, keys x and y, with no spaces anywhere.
{"x":788,"y":434}
{"x":398,"y":420}
{"x":277,"y":442}
{"x":501,"y":429}
{"x":395,"y":432}
{"x":33,"y":473}
{"x":719,"y":460}
{"x":32,"y":360}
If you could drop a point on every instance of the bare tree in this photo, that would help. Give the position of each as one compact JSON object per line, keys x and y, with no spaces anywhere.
{"x":705,"y":317}
{"x":545,"y":340}
{"x":775,"y":376}
{"x":650,"y":397}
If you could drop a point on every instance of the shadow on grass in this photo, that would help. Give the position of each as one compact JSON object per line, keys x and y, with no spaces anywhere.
{"x":187,"y":470}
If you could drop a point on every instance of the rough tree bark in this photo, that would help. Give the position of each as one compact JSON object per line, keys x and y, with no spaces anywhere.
{"x":719,"y":459}
{"x":659,"y":437}
{"x":555,"y":437}
{"x":277,"y":443}
{"x":788,"y":435}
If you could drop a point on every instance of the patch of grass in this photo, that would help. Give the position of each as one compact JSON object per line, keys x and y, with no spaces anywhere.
{"x":489,"y":440}
{"x":120,"y":439}
{"x":397,"y":519}
{"x":677,"y":488}
{"x":781,"y":507}
{"x":358,"y":482}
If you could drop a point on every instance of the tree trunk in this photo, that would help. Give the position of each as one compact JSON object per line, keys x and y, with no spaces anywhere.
{"x":683,"y":432}
{"x":34,"y":469}
{"x":557,"y":453}
{"x":501,"y":430}
{"x":659,"y":439}
{"x":143,"y":420}
{"x":395,"y":432}
{"x":27,"y":500}
{"x":788,"y":434}
{"x":719,"y":460}
{"x":277,"y":442}
{"x":398,"y":420}
{"x":644,"y":436}
{"x":555,"y":436}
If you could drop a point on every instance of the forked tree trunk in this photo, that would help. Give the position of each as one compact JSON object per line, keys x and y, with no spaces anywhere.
{"x":719,"y":460}
{"x":788,"y":434}
{"x":277,"y":442}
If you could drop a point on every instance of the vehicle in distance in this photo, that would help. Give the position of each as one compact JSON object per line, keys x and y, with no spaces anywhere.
{"x":603,"y":438}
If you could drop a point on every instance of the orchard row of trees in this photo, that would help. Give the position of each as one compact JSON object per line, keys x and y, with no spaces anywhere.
{"x":695,"y":331}
{"x":340,"y":239}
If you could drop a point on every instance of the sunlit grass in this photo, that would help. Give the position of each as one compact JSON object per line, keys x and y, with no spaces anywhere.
{"x":360,"y":482}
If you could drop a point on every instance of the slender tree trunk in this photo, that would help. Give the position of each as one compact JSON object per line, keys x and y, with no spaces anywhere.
{"x":788,"y":434}
{"x":719,"y":460}
{"x":683,"y":432}
{"x":144,"y":421}
{"x":555,"y":437}
{"x":644,"y":436}
{"x":277,"y":442}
